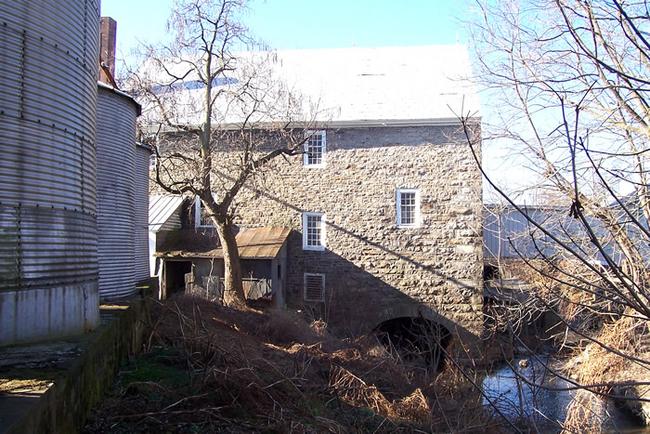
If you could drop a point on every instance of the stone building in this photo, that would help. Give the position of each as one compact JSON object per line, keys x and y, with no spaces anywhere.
{"x":385,"y":203}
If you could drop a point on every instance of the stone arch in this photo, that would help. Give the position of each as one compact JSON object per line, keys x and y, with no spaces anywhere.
{"x":413,"y":309}
{"x":416,"y":338}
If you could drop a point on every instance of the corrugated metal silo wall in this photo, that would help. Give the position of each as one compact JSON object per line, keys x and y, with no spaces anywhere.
{"x":116,"y":150}
{"x":48,"y":233}
{"x":141,"y":236}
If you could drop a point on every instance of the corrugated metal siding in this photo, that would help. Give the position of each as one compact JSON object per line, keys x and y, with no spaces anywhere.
{"x":174,"y":222}
{"x":165,"y":212}
{"x":141,"y":235}
{"x":48,"y":236}
{"x":507,"y":233}
{"x":116,"y":148}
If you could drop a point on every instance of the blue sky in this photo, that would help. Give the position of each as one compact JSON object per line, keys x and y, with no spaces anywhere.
{"x":286,"y":24}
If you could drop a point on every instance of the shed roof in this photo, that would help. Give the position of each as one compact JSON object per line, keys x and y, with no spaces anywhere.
{"x":161,"y":207}
{"x":263,"y":242}
{"x":256,"y":243}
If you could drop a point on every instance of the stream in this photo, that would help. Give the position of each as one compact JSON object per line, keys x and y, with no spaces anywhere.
{"x":538,"y":408}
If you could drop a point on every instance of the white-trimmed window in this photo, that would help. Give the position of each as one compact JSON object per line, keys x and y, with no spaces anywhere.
{"x":313,"y":231}
{"x":314,"y":287}
{"x":408,"y":208}
{"x":315,"y":147}
{"x":201,"y":219}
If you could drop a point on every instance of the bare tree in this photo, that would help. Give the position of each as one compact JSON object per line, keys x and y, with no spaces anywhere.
{"x":571,"y":79}
{"x":217,"y":113}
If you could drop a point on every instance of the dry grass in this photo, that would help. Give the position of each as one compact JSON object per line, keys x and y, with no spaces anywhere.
{"x":611,"y":361}
{"x":242,"y":370}
{"x":608,"y":368}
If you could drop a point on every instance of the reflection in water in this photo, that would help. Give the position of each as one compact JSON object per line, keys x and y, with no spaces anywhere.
{"x":519,"y":401}
{"x":534,"y":407}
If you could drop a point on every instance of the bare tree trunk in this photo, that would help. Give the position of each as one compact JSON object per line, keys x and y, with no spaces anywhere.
{"x":233,"y":289}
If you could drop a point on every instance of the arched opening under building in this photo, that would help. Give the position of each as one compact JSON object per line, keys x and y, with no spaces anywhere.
{"x":415,"y":339}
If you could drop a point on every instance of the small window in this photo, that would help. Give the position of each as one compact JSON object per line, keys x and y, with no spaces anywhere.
{"x":408,"y":208}
{"x":313,"y":231}
{"x":314,"y":287}
{"x":201,"y":216}
{"x":315,"y":145}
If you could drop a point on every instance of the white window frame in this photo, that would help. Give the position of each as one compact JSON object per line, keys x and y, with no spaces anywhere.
{"x":304,"y":292}
{"x":305,"y":156}
{"x":398,"y":201}
{"x":153,"y":160}
{"x":305,"y":246}
{"x":197,"y":214}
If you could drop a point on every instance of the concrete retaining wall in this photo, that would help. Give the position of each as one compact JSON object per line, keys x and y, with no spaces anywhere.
{"x":64,"y":407}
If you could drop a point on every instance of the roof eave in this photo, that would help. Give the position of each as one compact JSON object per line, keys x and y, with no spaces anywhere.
{"x":353,"y":123}
{"x":374,"y":123}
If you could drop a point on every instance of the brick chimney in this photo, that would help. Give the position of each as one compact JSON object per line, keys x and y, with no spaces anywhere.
{"x":107,"y":35}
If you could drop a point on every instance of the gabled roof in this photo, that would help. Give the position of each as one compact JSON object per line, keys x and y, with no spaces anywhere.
{"x":161,"y":208}
{"x":356,"y":87}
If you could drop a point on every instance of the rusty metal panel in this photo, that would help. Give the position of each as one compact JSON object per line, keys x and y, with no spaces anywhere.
{"x":261,"y":243}
{"x":48,"y":232}
{"x":116,"y":151}
{"x":255,"y":243}
{"x":141,"y":236}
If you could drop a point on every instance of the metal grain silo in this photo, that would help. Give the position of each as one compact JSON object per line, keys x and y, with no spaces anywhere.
{"x":48,"y":232}
{"x":116,"y":192}
{"x":141,"y":237}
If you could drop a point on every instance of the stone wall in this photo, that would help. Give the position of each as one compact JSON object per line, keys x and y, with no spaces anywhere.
{"x":374,"y":270}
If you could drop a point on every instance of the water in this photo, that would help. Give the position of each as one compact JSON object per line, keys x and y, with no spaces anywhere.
{"x":511,"y":394}
{"x":524,"y":396}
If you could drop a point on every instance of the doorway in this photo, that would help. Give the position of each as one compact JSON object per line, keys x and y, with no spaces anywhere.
{"x":175,"y":272}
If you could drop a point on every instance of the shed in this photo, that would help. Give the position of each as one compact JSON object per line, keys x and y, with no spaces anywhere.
{"x":199,"y":271}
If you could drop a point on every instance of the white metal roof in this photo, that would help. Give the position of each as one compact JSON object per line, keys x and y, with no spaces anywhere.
{"x":348,"y":86}
{"x":161,"y":207}
{"x":390,"y":83}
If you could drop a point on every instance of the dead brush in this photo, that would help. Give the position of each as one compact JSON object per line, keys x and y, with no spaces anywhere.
{"x":233,"y":369}
{"x":585,"y":414}
{"x":243,"y":379}
{"x":601,"y":363}
{"x":414,"y":408}
{"x":615,"y":362}
{"x":285,"y":327}
{"x":354,"y":391}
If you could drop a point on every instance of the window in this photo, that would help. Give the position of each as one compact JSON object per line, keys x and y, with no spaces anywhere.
{"x":408,"y":208}
{"x":315,"y":145}
{"x":314,"y":287}
{"x":201,"y":219}
{"x":313,"y":231}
